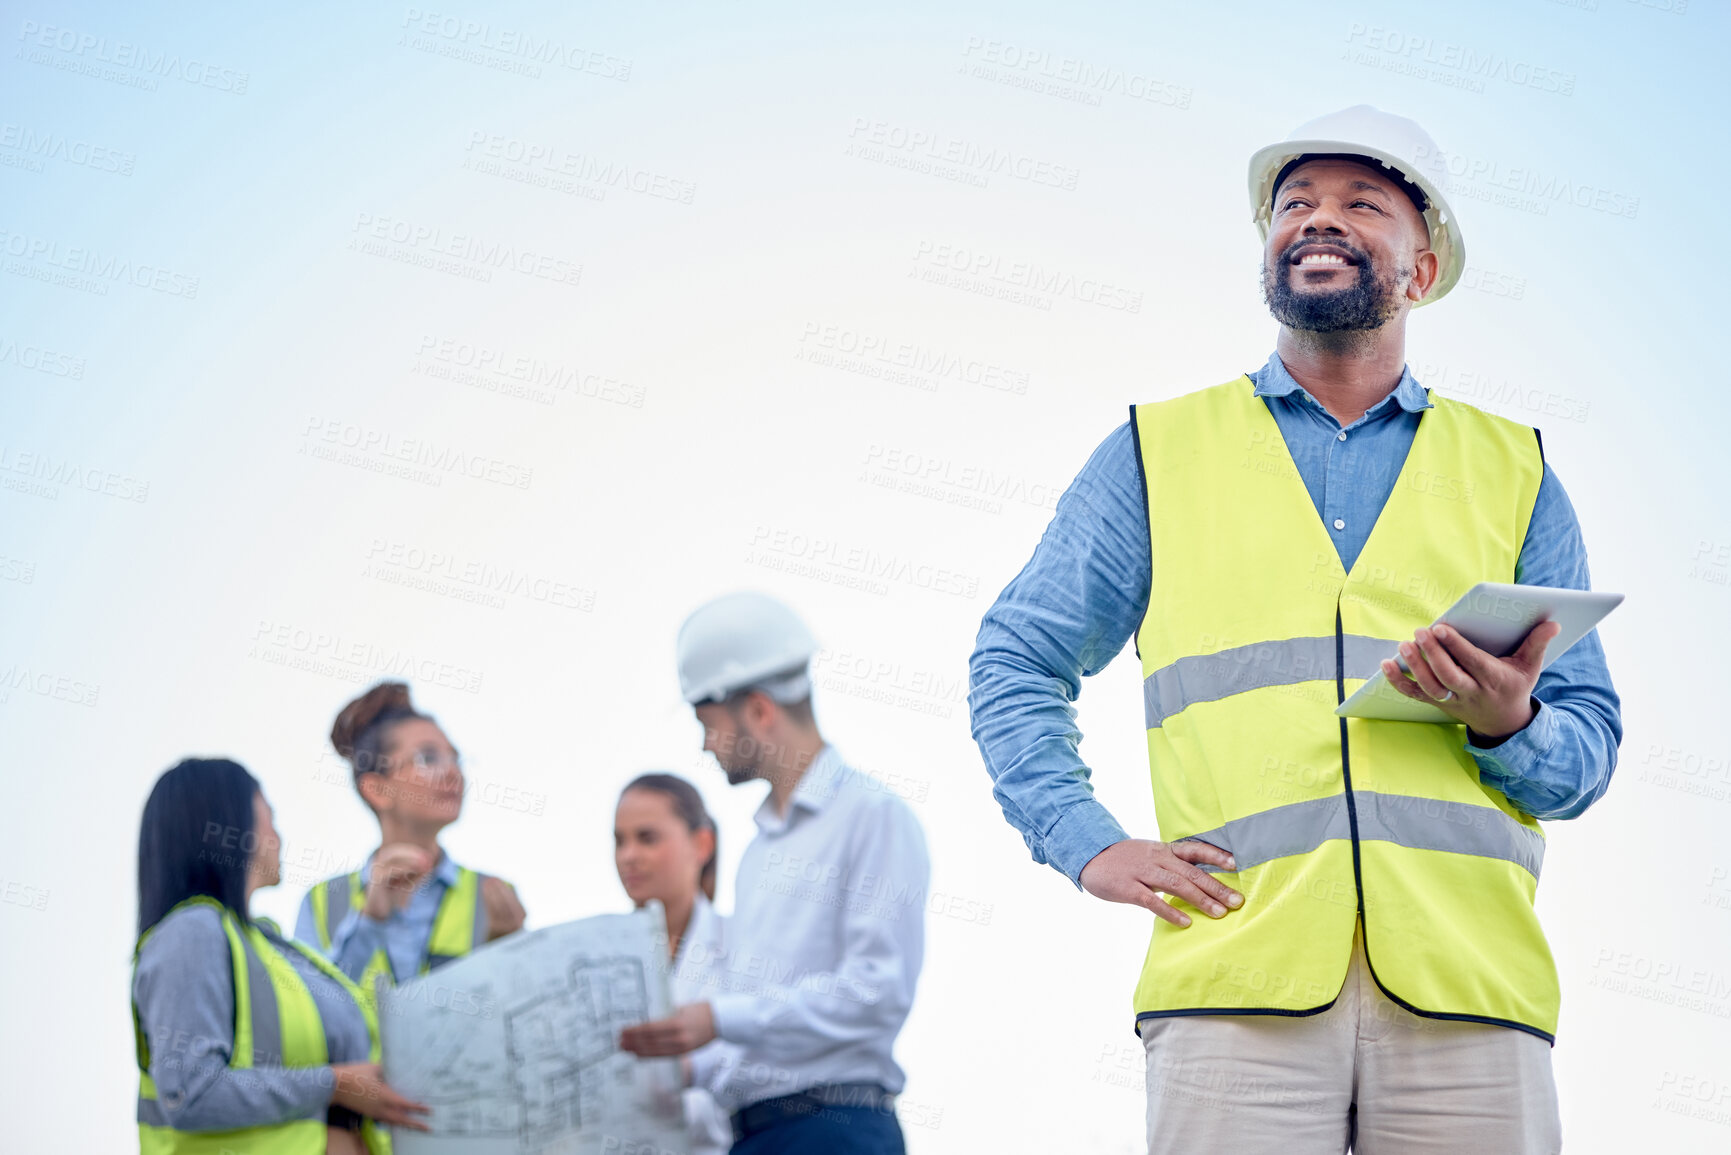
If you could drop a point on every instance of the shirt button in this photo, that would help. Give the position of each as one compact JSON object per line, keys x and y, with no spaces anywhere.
{"x":1342,"y":436}
{"x":1339,"y":524}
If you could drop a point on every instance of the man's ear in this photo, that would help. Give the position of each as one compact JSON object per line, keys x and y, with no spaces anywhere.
{"x":376,"y":791}
{"x":1426,"y":267}
{"x":760,"y":708}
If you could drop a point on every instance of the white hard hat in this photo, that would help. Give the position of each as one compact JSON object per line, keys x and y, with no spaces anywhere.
{"x":1394,"y":142}
{"x":744,"y":640}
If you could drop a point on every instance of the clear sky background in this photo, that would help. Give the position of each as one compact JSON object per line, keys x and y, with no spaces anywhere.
{"x":710,"y":296}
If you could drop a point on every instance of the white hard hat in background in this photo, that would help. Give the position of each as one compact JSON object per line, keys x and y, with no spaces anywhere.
{"x":1394,"y":142}
{"x":743,"y":640}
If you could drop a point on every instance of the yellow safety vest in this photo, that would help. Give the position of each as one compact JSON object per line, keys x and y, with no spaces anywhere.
{"x":1254,"y":633}
{"x":459,"y":925}
{"x":276,"y":1023}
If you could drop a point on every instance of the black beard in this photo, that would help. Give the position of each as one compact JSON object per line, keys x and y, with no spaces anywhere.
{"x":1368,"y":303}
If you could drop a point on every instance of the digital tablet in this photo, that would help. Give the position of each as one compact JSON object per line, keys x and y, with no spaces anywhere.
{"x":1495,"y":617}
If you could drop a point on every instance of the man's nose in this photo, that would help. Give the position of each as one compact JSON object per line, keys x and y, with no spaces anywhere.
{"x":1325,"y":218}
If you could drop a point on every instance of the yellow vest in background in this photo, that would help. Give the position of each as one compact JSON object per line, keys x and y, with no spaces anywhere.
{"x":1254,"y":633}
{"x":459,"y":925}
{"x":276,"y":1023}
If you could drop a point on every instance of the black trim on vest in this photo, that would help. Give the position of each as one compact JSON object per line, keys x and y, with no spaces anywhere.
{"x":1357,"y":872}
{"x":1346,"y":760}
{"x":1142,"y":477}
{"x":1190,"y":1012}
{"x":1351,"y":813}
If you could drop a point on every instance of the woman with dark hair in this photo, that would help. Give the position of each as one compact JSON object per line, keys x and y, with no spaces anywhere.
{"x":409,"y":909}
{"x":247,"y":1043}
{"x":664,"y":847}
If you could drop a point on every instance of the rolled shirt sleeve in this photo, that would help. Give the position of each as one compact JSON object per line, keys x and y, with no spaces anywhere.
{"x":184,"y":990}
{"x":1562,"y":762}
{"x":1065,"y":616}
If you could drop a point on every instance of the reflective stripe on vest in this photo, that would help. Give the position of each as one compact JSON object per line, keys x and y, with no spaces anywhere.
{"x":277,"y":1024}
{"x":459,"y":925}
{"x":1254,"y":633}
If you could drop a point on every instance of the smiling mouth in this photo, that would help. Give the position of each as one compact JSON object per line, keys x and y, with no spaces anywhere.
{"x":1323,"y":259}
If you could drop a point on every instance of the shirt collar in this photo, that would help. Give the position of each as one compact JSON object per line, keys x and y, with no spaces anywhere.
{"x":1272,"y":380}
{"x":816,"y":787}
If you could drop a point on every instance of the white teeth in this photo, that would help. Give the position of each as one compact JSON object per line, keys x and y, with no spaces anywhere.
{"x":1321,"y":259}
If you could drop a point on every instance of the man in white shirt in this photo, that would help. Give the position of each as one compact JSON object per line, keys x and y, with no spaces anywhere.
{"x":828,"y":930}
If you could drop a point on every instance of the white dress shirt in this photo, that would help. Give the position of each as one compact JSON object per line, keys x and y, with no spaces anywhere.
{"x":826,"y":939}
{"x":693,"y":980}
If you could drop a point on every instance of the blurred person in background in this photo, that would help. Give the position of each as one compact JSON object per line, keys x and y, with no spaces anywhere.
{"x":828,"y":930}
{"x":664,"y":846}
{"x":409,"y":908}
{"x":247,"y":1043}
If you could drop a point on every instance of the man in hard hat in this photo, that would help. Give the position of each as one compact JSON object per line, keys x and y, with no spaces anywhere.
{"x":1347,"y":950}
{"x":828,"y":928}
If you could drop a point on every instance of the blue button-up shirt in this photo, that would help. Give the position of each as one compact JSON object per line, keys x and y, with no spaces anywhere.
{"x":1085,"y":591}
{"x":404,"y":936}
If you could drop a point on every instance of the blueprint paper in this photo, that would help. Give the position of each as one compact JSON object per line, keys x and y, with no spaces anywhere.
{"x":516,"y":1047}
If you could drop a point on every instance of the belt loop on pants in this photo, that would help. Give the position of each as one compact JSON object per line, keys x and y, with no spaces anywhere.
{"x":767,"y":1113}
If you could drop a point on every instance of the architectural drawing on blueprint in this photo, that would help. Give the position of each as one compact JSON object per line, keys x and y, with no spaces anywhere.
{"x":559,"y":1045}
{"x":515,"y":1048}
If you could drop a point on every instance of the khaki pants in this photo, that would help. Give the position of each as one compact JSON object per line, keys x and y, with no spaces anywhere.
{"x":1365,"y":1075}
